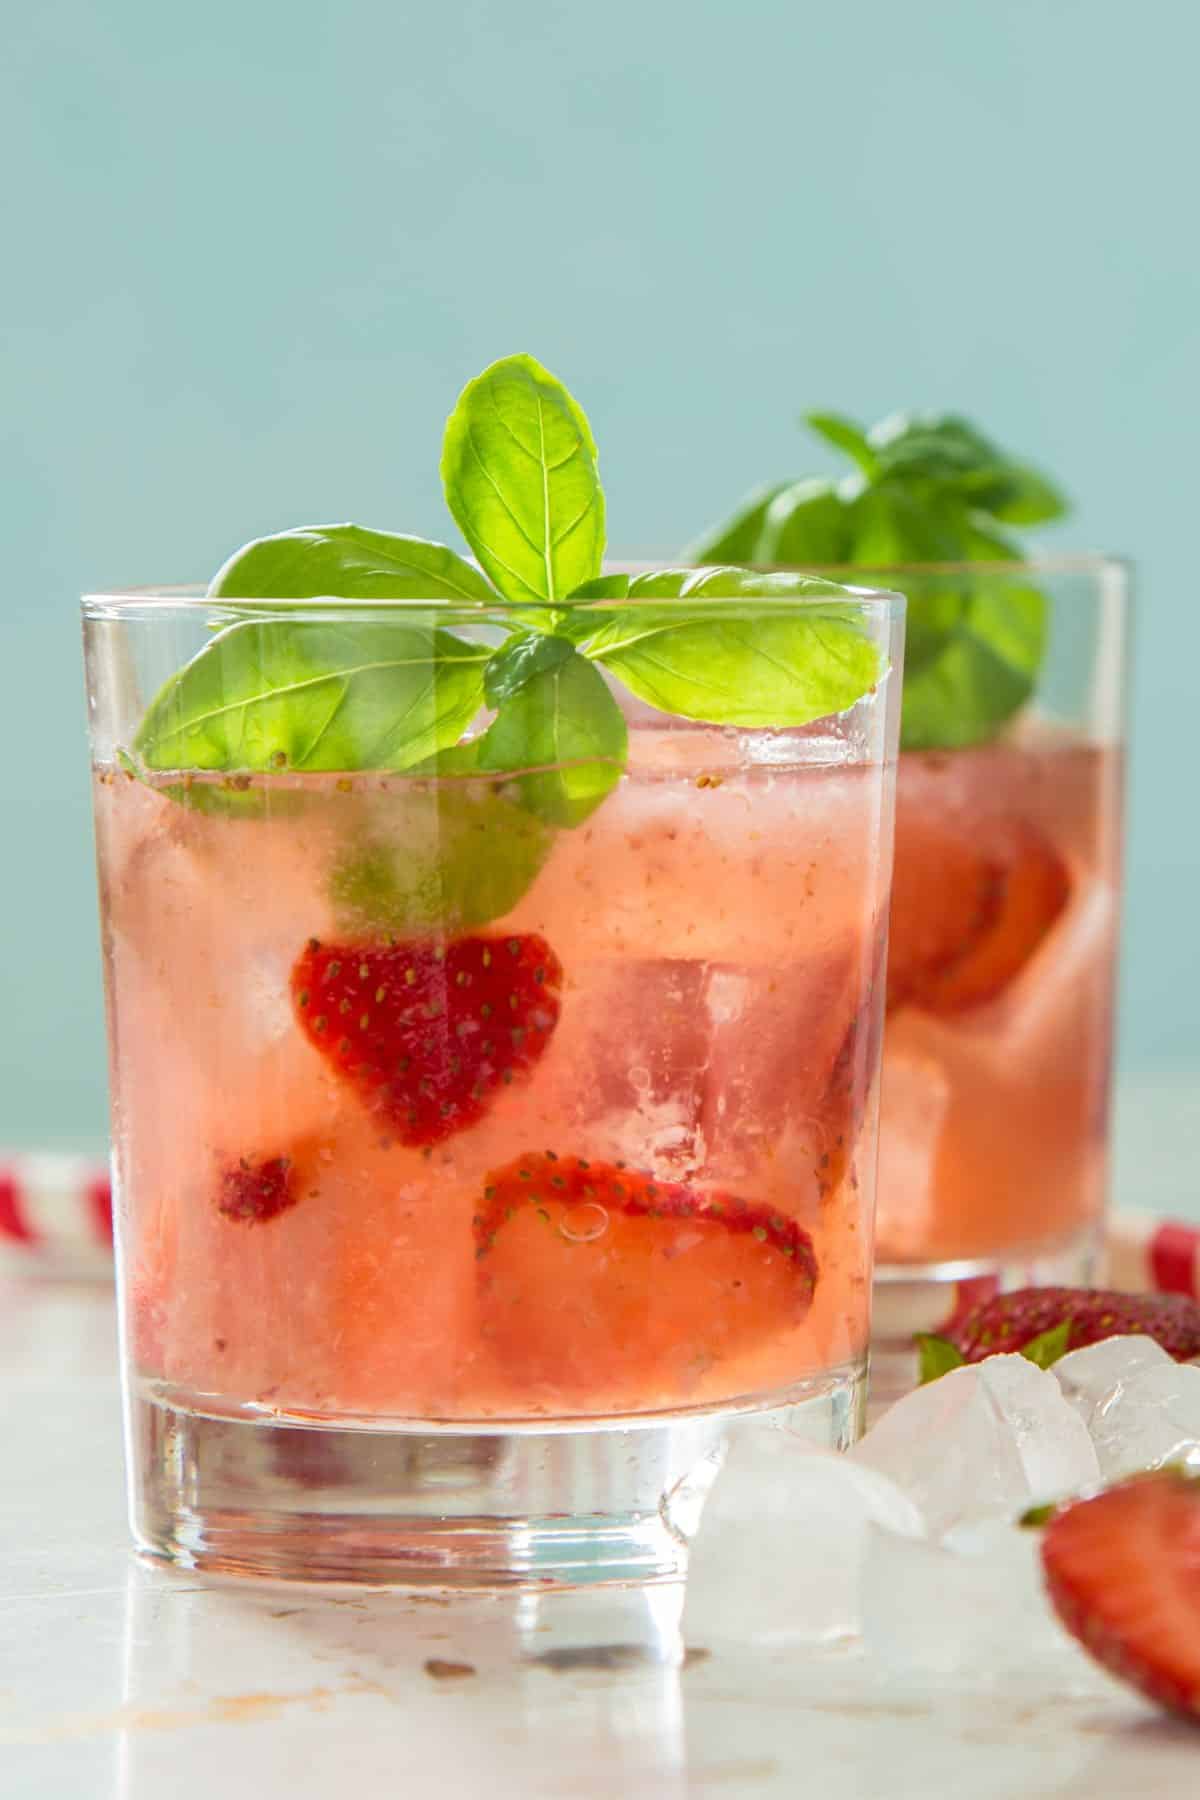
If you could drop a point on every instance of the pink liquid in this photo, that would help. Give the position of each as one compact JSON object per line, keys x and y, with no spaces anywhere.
{"x":994,"y":1119}
{"x":715,"y":921}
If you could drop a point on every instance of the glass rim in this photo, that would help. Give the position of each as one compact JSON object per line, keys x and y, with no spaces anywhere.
{"x":184,"y":598}
{"x":1083,"y":562}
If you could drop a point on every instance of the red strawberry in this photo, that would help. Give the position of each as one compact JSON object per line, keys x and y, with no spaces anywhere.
{"x":968,"y":912}
{"x":1123,"y":1571}
{"x":255,"y":1190}
{"x":601,"y":1284}
{"x":1010,"y":1321}
{"x":427,"y":1034}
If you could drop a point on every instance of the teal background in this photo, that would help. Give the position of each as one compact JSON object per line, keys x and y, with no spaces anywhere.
{"x":254,"y":248}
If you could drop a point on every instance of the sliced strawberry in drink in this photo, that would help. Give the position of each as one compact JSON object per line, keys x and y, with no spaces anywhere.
{"x":598,"y":1283}
{"x":1123,"y":1572}
{"x":969,"y":909}
{"x":428,"y":1035}
{"x":253,"y":1190}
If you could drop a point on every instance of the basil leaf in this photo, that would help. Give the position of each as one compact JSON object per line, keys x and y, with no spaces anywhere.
{"x":348,"y":562}
{"x":1017,"y":495}
{"x":951,"y":451}
{"x":457,"y":855}
{"x":808,"y":522}
{"x":936,"y":1356}
{"x":844,"y":435}
{"x":913,"y":522}
{"x":283,"y":694}
{"x":604,"y":587}
{"x":564,"y":736}
{"x":519,"y":661}
{"x":751,"y":666}
{"x":975,"y":644}
{"x":520,"y":475}
{"x":736,"y":539}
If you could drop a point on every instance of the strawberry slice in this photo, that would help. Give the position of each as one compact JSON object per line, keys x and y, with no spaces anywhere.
{"x":1123,"y":1573}
{"x":1011,"y":1321}
{"x":599,"y":1283}
{"x":968,"y":911}
{"x":428,"y":1034}
{"x":253,"y":1190}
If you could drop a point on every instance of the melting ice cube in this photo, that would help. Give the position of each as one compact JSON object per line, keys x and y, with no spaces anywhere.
{"x":982,"y":1442}
{"x":779,"y":1557}
{"x":972,"y":1611}
{"x":1141,"y":1408}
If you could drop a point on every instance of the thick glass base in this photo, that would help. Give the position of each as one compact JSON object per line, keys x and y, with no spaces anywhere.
{"x":913,"y":1297}
{"x":459,"y":1507}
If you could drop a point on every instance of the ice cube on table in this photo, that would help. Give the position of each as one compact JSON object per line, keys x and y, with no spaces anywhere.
{"x":779,"y":1555}
{"x":986,"y":1441}
{"x":972,"y":1611}
{"x":1141,"y":1408}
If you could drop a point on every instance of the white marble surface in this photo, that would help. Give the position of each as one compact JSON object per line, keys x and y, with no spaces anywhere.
{"x":123,"y":1683}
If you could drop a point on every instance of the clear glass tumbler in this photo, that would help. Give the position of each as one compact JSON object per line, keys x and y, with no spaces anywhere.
{"x":473,"y":1167}
{"x":994,"y":1131}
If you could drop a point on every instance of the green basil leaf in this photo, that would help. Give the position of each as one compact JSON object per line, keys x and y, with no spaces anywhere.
{"x":1046,"y":1349}
{"x":950,"y":451}
{"x":808,"y":522}
{"x":937,"y":1356}
{"x":975,"y":644}
{"x":563,"y":736}
{"x":520,"y":474}
{"x":909,"y":522}
{"x":518,"y":661}
{"x":283,"y":694}
{"x":455,"y":856}
{"x":348,"y":562}
{"x":844,"y":435}
{"x":753,"y":665}
{"x":604,"y":587}
{"x":1016,"y":495}
{"x":737,"y":538}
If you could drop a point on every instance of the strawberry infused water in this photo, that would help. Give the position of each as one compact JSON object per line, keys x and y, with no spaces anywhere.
{"x":494,"y":982}
{"x":600,"y":1156}
{"x":1000,"y":996}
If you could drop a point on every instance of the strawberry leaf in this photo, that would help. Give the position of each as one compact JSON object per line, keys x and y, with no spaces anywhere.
{"x":937,"y":1356}
{"x":1048,"y":1346}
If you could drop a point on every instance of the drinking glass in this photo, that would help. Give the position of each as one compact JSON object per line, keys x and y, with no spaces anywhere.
{"x":474,"y":1166}
{"x":994,"y":1130}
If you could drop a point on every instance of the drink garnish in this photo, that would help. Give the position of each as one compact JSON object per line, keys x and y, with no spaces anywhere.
{"x":924,"y":488}
{"x":521,"y":477}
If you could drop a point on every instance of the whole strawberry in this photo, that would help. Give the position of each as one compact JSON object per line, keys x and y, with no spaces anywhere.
{"x":1044,"y":1323}
{"x":1010,"y":1321}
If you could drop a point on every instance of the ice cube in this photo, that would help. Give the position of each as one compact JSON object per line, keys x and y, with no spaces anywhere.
{"x":779,"y":1555}
{"x":1141,"y":1407}
{"x":971,"y":1611}
{"x":986,"y":1441}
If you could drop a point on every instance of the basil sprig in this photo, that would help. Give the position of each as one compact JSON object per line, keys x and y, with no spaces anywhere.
{"x":923,"y":489}
{"x":521,"y":477}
